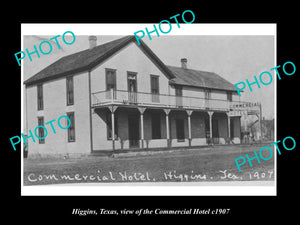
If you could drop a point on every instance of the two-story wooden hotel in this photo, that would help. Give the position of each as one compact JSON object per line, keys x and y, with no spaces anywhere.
{"x":121,"y":96}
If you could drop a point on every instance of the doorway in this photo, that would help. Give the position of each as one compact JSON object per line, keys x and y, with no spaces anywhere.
{"x":133,"y":130}
{"x":215,"y":130}
{"x":132,"y":88}
{"x":180,"y":130}
{"x":232,"y":128}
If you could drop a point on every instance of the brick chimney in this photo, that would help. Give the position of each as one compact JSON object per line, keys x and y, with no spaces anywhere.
{"x":92,"y":42}
{"x":183,"y":63}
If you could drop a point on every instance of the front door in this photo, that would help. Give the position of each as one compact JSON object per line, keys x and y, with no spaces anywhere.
{"x":215,"y":131}
{"x":133,"y":131}
{"x":231,"y":128}
{"x":207,"y":130}
{"x":132,"y":88}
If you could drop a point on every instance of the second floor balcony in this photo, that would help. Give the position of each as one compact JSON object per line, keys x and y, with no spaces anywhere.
{"x":121,"y":97}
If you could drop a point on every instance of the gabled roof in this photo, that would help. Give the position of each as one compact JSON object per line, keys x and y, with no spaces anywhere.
{"x":87,"y":59}
{"x":197,"y":78}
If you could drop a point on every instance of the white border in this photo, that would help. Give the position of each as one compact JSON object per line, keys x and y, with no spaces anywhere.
{"x":157,"y":189}
{"x":220,"y":188}
{"x":130,"y":29}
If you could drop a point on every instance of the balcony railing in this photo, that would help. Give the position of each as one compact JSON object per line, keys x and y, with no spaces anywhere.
{"x":158,"y":100}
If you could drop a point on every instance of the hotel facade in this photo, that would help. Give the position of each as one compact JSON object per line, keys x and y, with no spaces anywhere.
{"x":121,"y":97}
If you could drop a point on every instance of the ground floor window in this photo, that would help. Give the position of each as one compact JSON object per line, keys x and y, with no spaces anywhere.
{"x":215,"y":131}
{"x":156,"y":126}
{"x":71,"y":129}
{"x":41,"y":131}
{"x":231,"y":128}
{"x":180,"y":129}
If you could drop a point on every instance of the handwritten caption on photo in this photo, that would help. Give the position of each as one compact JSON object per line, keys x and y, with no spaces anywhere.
{"x":167,"y":176}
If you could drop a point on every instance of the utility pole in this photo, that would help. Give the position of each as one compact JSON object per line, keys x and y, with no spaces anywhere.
{"x":260,"y":125}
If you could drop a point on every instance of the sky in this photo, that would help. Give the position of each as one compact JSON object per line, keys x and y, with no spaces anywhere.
{"x":234,"y":57}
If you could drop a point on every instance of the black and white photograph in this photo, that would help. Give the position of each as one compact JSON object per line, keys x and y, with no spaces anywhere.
{"x":108,"y":110}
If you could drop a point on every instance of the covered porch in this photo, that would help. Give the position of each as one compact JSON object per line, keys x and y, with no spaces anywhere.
{"x":120,"y":127}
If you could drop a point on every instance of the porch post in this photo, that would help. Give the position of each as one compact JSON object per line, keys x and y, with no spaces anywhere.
{"x":260,"y":124}
{"x":228,"y":123}
{"x":142,"y":129}
{"x":210,"y":113}
{"x":189,"y":112}
{"x":112,"y":110}
{"x":167,"y":111}
{"x":142,"y":110}
{"x":113,"y":129}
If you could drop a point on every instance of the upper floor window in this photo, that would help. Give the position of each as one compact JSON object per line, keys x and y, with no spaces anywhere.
{"x":40,"y":102}
{"x":229,"y":96}
{"x":132,"y":87}
{"x":178,"y":94}
{"x":178,"y":91}
{"x":207,"y":94}
{"x":111,"y":84}
{"x":154,"y":82}
{"x":70,"y":91}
